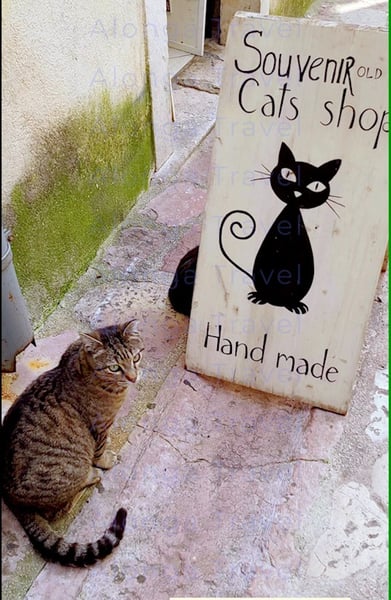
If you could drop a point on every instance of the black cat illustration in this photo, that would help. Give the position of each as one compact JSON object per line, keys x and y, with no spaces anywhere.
{"x":283,"y":269}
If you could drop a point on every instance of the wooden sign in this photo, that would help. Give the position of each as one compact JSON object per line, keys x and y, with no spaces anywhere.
{"x":295,"y":227}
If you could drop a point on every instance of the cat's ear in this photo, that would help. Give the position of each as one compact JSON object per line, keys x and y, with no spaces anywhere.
{"x":286,"y":157}
{"x":91,"y":341}
{"x":130,"y":328}
{"x":329,"y":169}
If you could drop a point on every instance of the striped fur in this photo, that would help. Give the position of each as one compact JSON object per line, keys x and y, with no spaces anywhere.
{"x":54,"y":548}
{"x":54,"y":436}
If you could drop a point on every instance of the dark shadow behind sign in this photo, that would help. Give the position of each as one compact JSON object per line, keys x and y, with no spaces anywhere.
{"x":295,"y":227}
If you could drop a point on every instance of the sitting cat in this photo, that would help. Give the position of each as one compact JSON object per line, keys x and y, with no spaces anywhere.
{"x":55,"y":434}
{"x":181,"y":289}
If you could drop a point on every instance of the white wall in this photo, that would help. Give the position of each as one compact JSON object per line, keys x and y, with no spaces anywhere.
{"x":157,"y":43}
{"x":227,"y":10}
{"x":58,"y":55}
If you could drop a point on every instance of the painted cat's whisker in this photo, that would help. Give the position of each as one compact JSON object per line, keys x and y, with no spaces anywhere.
{"x":262,"y":172}
{"x":334,"y":196}
{"x":334,"y":211}
{"x":260,"y":178}
{"x":266,"y":169}
{"x":335,"y":202}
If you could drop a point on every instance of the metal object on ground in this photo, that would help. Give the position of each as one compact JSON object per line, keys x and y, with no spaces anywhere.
{"x":17,"y":332}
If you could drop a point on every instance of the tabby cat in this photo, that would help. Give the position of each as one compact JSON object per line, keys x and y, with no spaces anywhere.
{"x":55,"y":433}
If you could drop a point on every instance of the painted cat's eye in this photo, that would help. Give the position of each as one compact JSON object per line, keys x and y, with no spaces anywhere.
{"x":288,"y":175}
{"x":316,"y":186}
{"x":137,"y":357}
{"x":114,"y":368}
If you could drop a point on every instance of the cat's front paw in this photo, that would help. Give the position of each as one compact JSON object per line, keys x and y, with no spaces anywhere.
{"x":107,"y":460}
{"x":93,"y":477}
{"x":300,"y":308}
{"x":255,"y":298}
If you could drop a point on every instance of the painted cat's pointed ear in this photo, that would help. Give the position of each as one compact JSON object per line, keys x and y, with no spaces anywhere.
{"x":285,"y":156}
{"x":329,"y":169}
{"x":91,"y":341}
{"x":130,"y":328}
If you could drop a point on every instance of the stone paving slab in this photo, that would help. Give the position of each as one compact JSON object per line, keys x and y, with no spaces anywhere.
{"x":190,"y":240}
{"x":365,"y":13}
{"x":178,"y":204}
{"x":33,"y":362}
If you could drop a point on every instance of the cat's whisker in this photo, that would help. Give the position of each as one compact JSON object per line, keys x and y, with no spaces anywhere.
{"x":335,"y":202}
{"x":260,"y":178}
{"x":263,"y":172}
{"x":334,"y":196}
{"x":266,"y":169}
{"x":334,"y":211}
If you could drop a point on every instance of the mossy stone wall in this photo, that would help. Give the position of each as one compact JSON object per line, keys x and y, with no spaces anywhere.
{"x":290,"y":8}
{"x":87,"y":173}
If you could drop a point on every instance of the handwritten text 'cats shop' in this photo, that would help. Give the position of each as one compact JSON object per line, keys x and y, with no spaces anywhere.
{"x":344,"y":71}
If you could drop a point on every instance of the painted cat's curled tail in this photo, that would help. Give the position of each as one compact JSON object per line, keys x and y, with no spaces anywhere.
{"x":233,"y":228}
{"x":55,"y":549}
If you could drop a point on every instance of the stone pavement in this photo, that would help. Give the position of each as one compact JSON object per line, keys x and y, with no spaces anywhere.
{"x":364,"y":13}
{"x":229,"y":492}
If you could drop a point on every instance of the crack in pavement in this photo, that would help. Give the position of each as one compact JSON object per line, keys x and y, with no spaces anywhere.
{"x":238,"y":467}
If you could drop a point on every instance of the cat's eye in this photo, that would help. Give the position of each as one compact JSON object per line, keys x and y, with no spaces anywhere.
{"x":288,"y":175}
{"x":137,"y":357}
{"x":114,"y":368}
{"x":316,"y":186}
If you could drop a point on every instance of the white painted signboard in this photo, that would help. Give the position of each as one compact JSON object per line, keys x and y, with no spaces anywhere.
{"x":295,"y":227}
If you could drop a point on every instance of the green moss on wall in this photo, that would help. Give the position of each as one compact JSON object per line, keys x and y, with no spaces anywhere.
{"x":291,"y":8}
{"x":87,"y":175}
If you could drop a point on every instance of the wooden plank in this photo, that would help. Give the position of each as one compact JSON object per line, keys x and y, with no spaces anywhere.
{"x":295,"y":227}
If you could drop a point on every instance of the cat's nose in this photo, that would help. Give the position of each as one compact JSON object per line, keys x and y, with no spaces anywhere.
{"x":297,"y":194}
{"x":131,"y":377}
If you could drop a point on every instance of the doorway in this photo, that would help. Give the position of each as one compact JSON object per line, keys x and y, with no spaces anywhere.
{"x":160,"y":80}
{"x":189,"y":22}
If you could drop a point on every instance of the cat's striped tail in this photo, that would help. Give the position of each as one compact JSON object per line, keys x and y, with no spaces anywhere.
{"x":55,"y":549}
